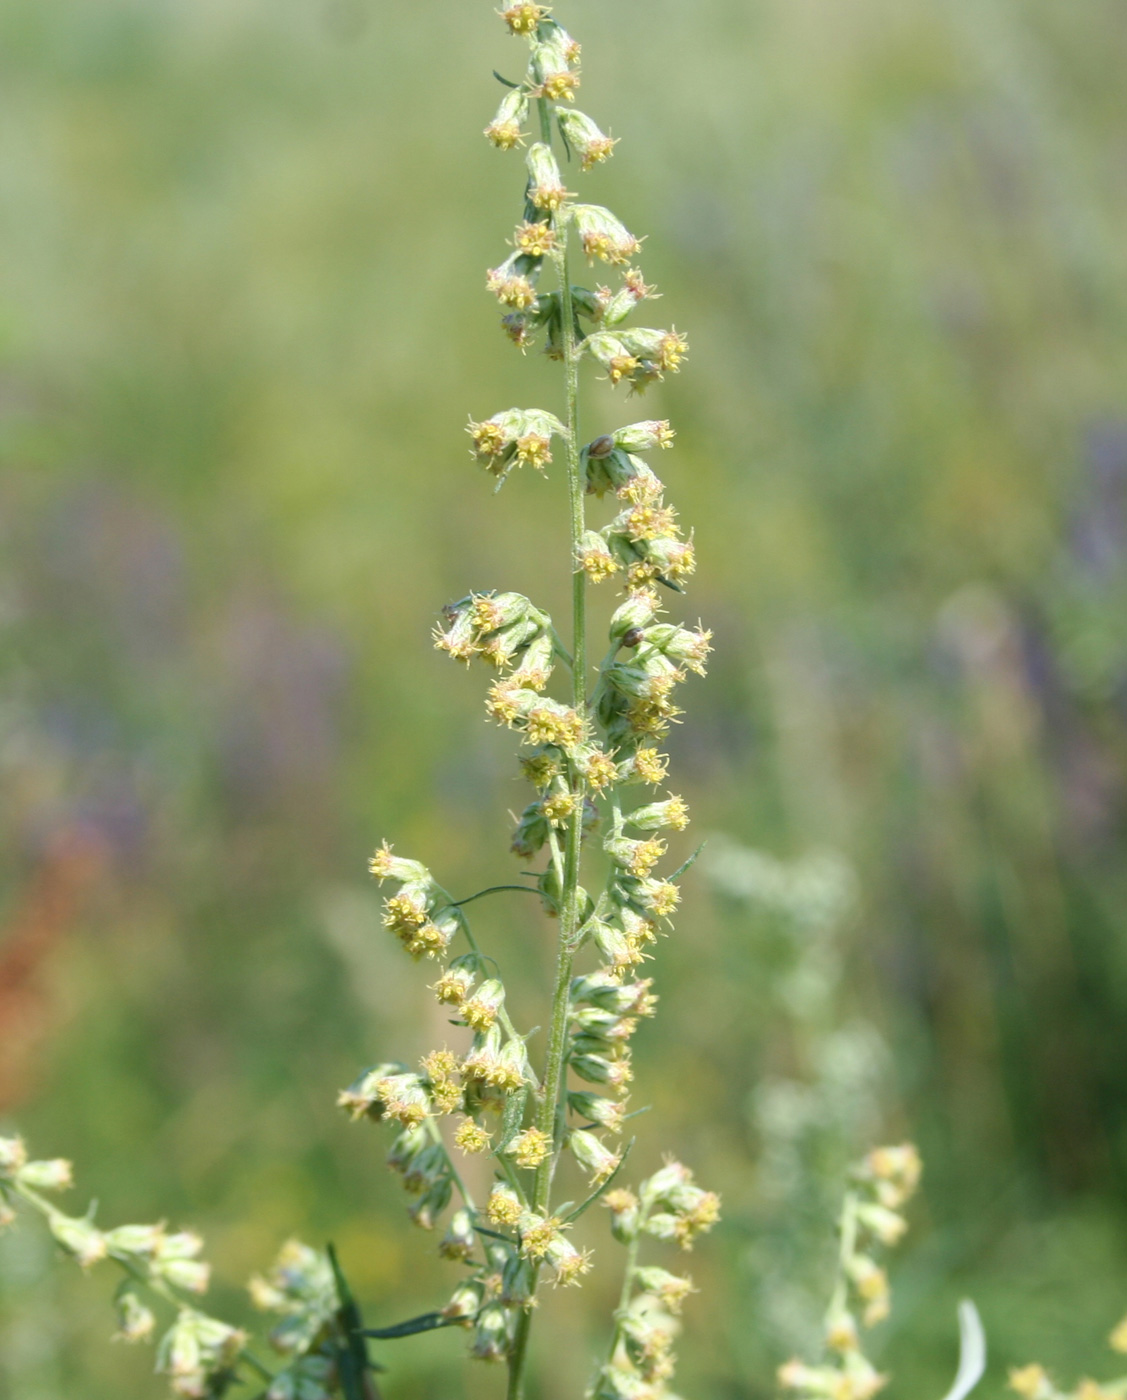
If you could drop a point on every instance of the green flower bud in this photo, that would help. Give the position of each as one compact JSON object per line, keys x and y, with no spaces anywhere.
{"x":670,"y":1289}
{"x":600,"y":1069}
{"x":142,"y":1241}
{"x":584,"y":137}
{"x":607,"y":1113}
{"x":505,"y":129}
{"x":54,"y":1175}
{"x":643,"y":437}
{"x":13,"y":1155}
{"x":430,"y":1206}
{"x":603,"y":236}
{"x":491,"y":1338}
{"x":465,"y":1301}
{"x":135,"y":1322}
{"x":593,"y":1156}
{"x":78,"y":1237}
{"x":632,"y":616}
{"x":545,"y":188}
{"x":459,"y":1239}
{"x":656,"y":816}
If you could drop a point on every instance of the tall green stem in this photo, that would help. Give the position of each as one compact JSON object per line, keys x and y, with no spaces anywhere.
{"x":548,"y":1118}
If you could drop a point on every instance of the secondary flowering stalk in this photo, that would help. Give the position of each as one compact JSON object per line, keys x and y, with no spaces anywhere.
{"x":586,"y":752}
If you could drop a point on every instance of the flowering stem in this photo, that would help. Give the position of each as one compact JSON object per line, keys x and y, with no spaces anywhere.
{"x":548,"y":1117}
{"x":142,"y":1276}
{"x":623,"y":1298}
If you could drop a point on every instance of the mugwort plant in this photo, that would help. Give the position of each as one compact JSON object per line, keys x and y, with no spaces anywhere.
{"x":590,"y":748}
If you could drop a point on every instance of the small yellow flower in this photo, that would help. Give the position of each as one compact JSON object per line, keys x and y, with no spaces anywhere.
{"x":471,"y":1136}
{"x":650,"y":765}
{"x":1030,"y":1382}
{"x":651,"y":522}
{"x":534,"y":450}
{"x":403,"y":913}
{"x":503,"y":1207}
{"x":530,"y":1148}
{"x":535,"y":239}
{"x":524,"y":18}
{"x":560,"y":87}
{"x":601,"y":771}
{"x":559,"y":807}
{"x":540,"y":769}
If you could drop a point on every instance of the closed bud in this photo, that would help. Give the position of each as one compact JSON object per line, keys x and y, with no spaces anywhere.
{"x":602,"y":235}
{"x":670,"y":1289}
{"x":407,"y":1146}
{"x":584,"y":137}
{"x":13,"y":1155}
{"x":615,"y":946}
{"x":78,"y":1237}
{"x":593,"y":1156}
{"x":605,"y":990}
{"x":425,"y":1169}
{"x":491,"y":1334}
{"x":600,"y":1069}
{"x":135,"y":1322}
{"x":386,"y":866}
{"x":54,"y":1175}
{"x":645,"y":436}
{"x":623,"y":1207}
{"x":459,"y":1239}
{"x":607,"y":1113}
{"x":142,"y":1241}
{"x":506,"y":127}
{"x":885,"y":1224}
{"x":429,"y":1207}
{"x":632,"y":616}
{"x":531,"y":832}
{"x":193,"y":1275}
{"x":465,"y":1301}
{"x":655,"y":816}
{"x":545,"y":189}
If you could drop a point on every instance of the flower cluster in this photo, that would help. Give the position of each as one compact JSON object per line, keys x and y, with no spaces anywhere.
{"x":198,"y":1353}
{"x":669,"y":1206}
{"x":589,"y":749}
{"x":1033,"y":1382}
{"x":884,"y":1182}
{"x":639,"y":356}
{"x":201,"y":1355}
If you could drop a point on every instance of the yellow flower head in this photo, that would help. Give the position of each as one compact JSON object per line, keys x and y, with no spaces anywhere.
{"x":525,"y":17}
{"x":471,"y":1137}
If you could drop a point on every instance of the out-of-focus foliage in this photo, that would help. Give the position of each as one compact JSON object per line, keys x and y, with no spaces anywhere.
{"x":241,"y":327}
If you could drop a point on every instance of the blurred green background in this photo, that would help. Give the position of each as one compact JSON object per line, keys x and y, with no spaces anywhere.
{"x":242,"y":325}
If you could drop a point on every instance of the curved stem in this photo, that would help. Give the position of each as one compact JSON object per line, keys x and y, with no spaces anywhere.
{"x":493,"y":889}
